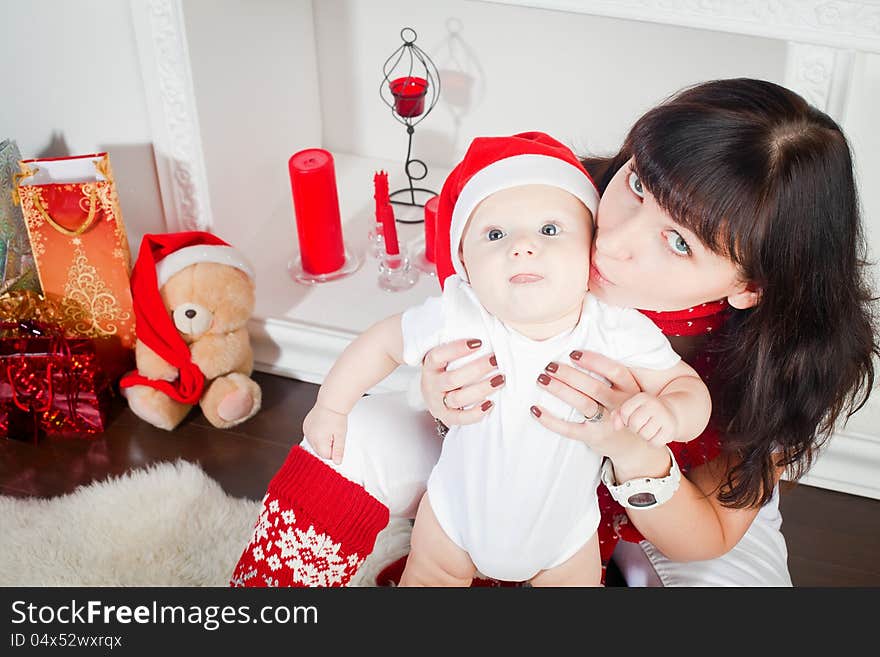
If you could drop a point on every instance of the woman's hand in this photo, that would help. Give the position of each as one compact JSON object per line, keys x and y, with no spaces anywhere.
{"x":459,"y":396}
{"x":574,"y":385}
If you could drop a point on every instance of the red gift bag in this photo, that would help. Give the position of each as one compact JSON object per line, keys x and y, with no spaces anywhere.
{"x":77,"y":234}
{"x":50,"y":385}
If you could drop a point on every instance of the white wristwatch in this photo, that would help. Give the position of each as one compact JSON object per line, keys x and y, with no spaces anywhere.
{"x":642,"y":492}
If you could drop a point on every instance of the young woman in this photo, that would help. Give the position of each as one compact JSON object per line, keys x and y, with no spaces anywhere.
{"x":730,"y":216}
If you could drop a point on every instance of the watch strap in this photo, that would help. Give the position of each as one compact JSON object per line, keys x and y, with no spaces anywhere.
{"x":642,"y":492}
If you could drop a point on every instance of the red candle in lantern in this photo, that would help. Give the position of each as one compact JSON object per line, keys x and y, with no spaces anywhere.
{"x":316,"y":204}
{"x":430,"y":226}
{"x":409,"y":95}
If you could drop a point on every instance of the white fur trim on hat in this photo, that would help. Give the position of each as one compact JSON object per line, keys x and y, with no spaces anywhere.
{"x":528,"y":169}
{"x":190,"y":255}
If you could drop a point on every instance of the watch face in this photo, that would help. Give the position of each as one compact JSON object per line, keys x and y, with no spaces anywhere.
{"x":642,"y":500}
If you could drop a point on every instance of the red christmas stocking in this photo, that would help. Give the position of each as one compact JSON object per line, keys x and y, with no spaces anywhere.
{"x":315,"y":528}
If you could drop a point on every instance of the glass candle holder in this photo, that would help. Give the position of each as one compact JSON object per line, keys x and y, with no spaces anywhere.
{"x":409,"y":95}
{"x":376,"y":241}
{"x":396,"y":273}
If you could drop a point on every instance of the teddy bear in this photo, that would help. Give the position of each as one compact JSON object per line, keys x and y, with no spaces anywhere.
{"x":192,"y":295}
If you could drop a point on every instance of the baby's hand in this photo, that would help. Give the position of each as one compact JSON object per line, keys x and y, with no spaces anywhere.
{"x":325,"y":430}
{"x":648,"y":416}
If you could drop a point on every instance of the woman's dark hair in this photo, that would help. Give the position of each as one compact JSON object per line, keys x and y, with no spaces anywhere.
{"x":765,"y":179}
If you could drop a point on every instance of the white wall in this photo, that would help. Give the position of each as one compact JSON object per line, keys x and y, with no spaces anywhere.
{"x":78,"y":89}
{"x":860,"y":124}
{"x":255,"y":81}
{"x":582,"y":78}
{"x":73,"y":85}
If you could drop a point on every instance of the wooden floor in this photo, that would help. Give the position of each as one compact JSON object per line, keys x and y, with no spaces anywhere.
{"x":833,"y":539}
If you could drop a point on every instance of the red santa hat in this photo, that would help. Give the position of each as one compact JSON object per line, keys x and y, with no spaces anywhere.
{"x":492,"y":164}
{"x":160,"y":257}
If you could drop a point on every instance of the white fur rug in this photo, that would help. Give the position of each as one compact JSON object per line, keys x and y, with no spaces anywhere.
{"x":167,"y":525}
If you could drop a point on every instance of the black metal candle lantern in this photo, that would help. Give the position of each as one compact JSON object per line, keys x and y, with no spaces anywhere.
{"x":411,"y":88}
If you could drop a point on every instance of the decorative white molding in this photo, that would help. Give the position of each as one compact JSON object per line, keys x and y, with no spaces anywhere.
{"x":841,"y":81}
{"x":848,"y":464}
{"x":307,"y":352}
{"x":821,"y":75}
{"x":808,"y":71}
{"x":164,"y":55}
{"x":836,"y":23}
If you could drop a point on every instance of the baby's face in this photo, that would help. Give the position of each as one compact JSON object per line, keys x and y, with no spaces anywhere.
{"x":526,"y":251}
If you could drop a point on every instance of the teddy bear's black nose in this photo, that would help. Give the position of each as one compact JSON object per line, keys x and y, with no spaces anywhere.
{"x":190,"y":313}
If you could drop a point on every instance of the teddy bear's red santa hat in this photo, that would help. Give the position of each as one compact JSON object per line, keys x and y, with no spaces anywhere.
{"x":160,"y":257}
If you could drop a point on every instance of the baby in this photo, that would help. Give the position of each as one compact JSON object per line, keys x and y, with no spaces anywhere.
{"x":509,"y":498}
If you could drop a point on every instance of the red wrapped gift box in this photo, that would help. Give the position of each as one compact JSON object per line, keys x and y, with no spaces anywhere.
{"x":50,"y":384}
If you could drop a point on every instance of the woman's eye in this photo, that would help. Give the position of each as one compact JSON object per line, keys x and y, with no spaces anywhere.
{"x":494,"y":234}
{"x":635,"y":184}
{"x":677,"y":244}
{"x":549,"y":229}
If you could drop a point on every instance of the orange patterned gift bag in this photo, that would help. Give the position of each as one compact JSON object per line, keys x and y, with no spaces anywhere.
{"x":81,"y":250}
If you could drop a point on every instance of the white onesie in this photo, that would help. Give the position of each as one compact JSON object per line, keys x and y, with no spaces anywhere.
{"x":516,"y":497}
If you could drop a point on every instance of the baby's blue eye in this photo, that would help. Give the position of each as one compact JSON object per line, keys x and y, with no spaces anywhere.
{"x":550,"y":229}
{"x":494,"y":234}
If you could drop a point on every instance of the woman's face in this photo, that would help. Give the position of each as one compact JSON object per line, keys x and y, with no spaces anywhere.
{"x":643,"y":259}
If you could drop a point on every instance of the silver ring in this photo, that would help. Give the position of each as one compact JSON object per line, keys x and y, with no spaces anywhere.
{"x":447,"y":405}
{"x":598,"y":415}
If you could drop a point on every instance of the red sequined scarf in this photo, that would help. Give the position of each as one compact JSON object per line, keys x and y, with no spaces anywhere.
{"x":705,"y":318}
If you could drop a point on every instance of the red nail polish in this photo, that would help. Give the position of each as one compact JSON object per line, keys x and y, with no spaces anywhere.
{"x":535,"y":411}
{"x":543,"y":379}
{"x":492,"y":361}
{"x":576,"y":355}
{"x":552,"y":367}
{"x":497,"y":380}
{"x":474,"y":344}
{"x":486,"y":405}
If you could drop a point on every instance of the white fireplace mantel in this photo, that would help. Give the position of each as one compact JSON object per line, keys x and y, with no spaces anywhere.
{"x":299,"y":331}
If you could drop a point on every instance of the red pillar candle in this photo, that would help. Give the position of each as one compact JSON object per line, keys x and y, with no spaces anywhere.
{"x":409,"y":95}
{"x":430,"y":227}
{"x":316,"y":204}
